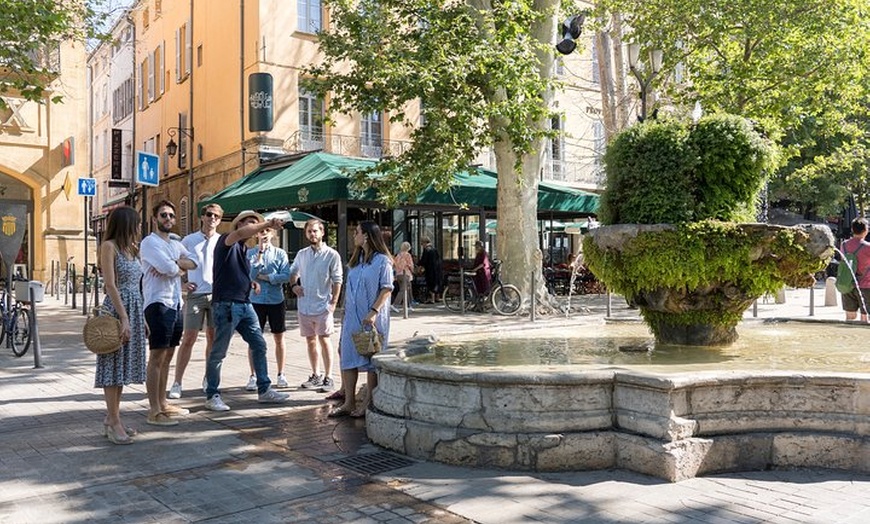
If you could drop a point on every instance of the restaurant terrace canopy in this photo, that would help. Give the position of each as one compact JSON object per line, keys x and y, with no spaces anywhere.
{"x":319,"y":178}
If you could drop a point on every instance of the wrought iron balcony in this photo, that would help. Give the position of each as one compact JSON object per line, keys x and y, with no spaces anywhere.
{"x":357,"y":146}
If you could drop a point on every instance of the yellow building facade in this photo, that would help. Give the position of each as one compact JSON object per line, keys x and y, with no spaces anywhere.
{"x":35,"y":147}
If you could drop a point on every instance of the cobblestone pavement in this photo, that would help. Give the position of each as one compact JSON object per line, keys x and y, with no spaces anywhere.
{"x":290,"y":463}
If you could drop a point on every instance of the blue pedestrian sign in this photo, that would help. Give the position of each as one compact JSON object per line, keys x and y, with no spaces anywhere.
{"x":147,"y":168}
{"x":87,"y":187}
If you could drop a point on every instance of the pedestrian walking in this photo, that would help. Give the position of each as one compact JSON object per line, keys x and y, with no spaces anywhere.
{"x":430,"y":261}
{"x":197,"y":304}
{"x":232,"y":309}
{"x":366,"y":304}
{"x":855,"y":250}
{"x":122,"y":271}
{"x":271,"y":270}
{"x":404,"y":269}
{"x":320,"y":275}
{"x":164,"y":261}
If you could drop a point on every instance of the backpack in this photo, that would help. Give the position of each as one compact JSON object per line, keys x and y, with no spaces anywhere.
{"x":845,"y":277}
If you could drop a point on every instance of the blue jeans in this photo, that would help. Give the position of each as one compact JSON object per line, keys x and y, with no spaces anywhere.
{"x":229,"y":317}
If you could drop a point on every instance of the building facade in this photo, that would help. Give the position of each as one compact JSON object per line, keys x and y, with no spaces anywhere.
{"x":191,"y":63}
{"x":43,"y":153}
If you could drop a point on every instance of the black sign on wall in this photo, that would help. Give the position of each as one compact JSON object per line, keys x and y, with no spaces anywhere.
{"x":116,"y":154}
{"x":260,"y":102}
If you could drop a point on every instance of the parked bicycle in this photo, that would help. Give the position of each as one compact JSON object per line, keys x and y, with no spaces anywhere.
{"x":504,"y":298}
{"x":14,"y":323}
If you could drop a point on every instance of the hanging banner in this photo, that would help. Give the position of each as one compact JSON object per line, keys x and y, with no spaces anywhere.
{"x":260,"y":102}
{"x":13,"y":225}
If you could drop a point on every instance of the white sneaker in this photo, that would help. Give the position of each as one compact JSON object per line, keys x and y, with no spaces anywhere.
{"x":313,"y":382}
{"x":216,"y":404}
{"x":175,"y":390}
{"x":394,"y":309}
{"x":252,"y":384}
{"x":272,"y":397}
{"x":282,"y":382}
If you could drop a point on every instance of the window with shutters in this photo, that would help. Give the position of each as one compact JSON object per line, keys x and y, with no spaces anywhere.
{"x":183,"y":52}
{"x":183,"y":219}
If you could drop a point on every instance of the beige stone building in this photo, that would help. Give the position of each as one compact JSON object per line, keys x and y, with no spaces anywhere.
{"x":35,"y":148}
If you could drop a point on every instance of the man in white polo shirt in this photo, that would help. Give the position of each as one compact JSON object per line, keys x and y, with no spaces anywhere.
{"x":320,"y":273}
{"x":163,"y":262}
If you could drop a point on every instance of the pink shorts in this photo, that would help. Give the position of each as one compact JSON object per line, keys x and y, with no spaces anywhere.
{"x":321,"y":325}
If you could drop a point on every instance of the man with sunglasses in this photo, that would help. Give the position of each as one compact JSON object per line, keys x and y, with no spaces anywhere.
{"x":197,"y":303}
{"x":164,"y":261}
{"x":232,"y":309}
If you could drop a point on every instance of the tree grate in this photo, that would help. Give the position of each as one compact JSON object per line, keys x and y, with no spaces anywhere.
{"x":374,"y":463}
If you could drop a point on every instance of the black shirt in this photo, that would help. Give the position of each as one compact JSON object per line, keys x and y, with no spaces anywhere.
{"x":232,"y":272}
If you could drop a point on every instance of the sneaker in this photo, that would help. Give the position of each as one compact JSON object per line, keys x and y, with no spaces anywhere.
{"x":327,"y":385}
{"x":394,"y":309}
{"x":216,"y":404}
{"x":175,"y":390}
{"x":313,"y":382}
{"x":204,"y":384}
{"x":272,"y":397}
{"x":252,"y":384}
{"x":282,"y":382}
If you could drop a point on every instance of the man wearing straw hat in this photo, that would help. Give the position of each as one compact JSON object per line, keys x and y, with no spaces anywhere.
{"x":232,"y":309}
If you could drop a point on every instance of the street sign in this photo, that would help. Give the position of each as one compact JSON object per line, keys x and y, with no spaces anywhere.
{"x":147,"y":168}
{"x":87,"y":187}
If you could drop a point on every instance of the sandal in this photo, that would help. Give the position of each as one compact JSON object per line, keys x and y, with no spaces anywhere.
{"x":161,"y":419}
{"x":131,"y":431}
{"x":175,"y":411}
{"x":339,"y":412}
{"x":114,"y":438}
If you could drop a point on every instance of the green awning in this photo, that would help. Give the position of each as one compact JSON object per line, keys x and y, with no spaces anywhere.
{"x":323,"y":177}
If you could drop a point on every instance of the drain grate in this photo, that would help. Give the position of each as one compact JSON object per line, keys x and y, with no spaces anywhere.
{"x":374,"y":463}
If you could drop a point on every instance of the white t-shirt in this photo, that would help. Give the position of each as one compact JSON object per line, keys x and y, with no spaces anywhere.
{"x":202,"y":252}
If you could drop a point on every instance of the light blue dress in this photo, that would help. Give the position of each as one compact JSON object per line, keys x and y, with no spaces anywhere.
{"x":364,"y":283}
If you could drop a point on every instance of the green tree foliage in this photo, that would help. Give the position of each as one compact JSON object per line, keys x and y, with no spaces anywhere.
{"x":800,"y":67}
{"x":673,"y":172}
{"x":474,"y":67}
{"x":30,"y":31}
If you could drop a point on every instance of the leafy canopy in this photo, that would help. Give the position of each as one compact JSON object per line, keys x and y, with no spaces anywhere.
{"x":473,"y":67}
{"x":31,"y":30}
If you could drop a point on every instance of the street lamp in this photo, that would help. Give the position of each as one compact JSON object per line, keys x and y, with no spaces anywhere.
{"x":637,"y":69}
{"x":172,"y":147}
{"x":171,"y":150}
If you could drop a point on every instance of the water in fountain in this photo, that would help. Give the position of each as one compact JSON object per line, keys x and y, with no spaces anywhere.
{"x":768,"y":345}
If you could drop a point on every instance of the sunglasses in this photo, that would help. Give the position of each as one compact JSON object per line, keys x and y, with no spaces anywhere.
{"x":209,"y":214}
{"x":167,"y":215}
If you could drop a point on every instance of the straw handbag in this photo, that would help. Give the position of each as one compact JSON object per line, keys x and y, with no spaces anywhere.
{"x":368,"y":342}
{"x":102,"y":332}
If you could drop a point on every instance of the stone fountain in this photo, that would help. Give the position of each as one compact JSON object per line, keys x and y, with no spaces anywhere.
{"x":675,"y":197}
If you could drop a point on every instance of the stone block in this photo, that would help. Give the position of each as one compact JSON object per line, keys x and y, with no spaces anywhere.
{"x":577,"y":452}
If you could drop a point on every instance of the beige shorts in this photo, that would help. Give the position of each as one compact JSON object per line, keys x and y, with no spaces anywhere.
{"x":321,"y":325}
{"x":197,"y":310}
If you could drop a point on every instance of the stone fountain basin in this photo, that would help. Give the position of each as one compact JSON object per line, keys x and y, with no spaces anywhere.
{"x":671,"y":426}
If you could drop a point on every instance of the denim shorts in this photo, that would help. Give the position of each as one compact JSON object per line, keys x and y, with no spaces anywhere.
{"x":165,"y":325}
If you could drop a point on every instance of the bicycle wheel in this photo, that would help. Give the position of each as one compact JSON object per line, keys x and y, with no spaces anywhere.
{"x":452,"y":301}
{"x":20,"y":335}
{"x":2,"y":328}
{"x":506,"y":299}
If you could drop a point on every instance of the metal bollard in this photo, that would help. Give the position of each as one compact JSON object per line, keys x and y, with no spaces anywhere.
{"x":73,"y":290}
{"x":461,"y":289}
{"x":34,"y":330}
{"x":813,"y":300}
{"x":755,"y":309}
{"x":609,"y":304}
